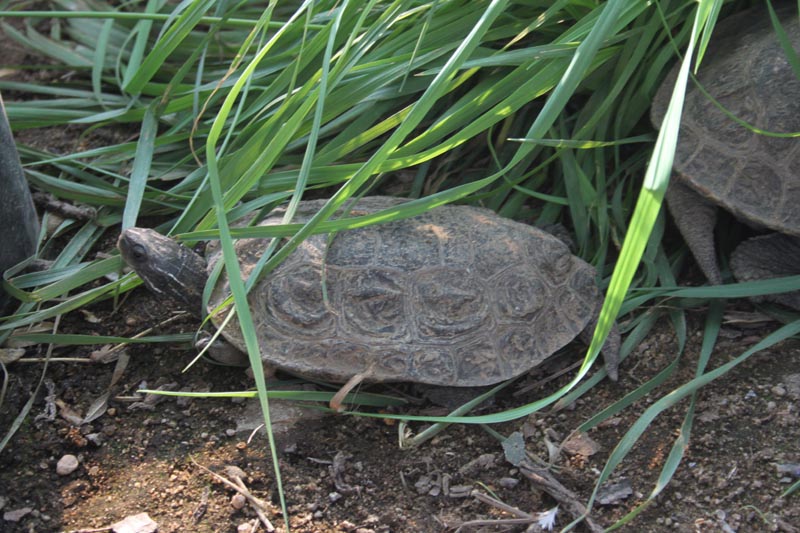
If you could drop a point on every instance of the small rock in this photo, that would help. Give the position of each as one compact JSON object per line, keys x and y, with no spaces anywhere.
{"x":138,"y":523}
{"x":424,"y":484}
{"x":334,"y":497}
{"x":792,"y":385}
{"x":235,"y":472}
{"x":460,"y":491}
{"x":778,"y":390}
{"x":789,"y":468}
{"x":238,"y":501}
{"x":614,"y":493}
{"x":230,"y":432}
{"x":581,"y":444}
{"x":67,"y":465}
{"x":95,"y":438}
{"x":479,"y":464}
{"x":16,"y":515}
{"x":508,"y":482}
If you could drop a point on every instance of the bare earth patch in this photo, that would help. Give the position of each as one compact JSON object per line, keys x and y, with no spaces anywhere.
{"x":347,"y":473}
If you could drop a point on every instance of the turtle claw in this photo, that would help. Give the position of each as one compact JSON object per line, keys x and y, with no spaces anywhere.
{"x":338,"y":398}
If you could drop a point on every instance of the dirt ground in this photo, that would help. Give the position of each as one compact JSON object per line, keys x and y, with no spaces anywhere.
{"x":347,"y":473}
{"x":344,"y":473}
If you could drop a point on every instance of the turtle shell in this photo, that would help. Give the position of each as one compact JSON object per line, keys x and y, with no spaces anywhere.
{"x":754,"y":176}
{"x":457,"y":296}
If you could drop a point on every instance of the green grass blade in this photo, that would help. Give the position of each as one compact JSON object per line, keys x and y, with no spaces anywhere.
{"x":141,"y":166}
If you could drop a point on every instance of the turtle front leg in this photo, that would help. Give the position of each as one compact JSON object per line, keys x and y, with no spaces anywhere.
{"x":769,"y":256}
{"x":221,"y":351}
{"x":695,"y":218}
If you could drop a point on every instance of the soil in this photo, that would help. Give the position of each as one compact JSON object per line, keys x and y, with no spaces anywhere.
{"x":345,"y":473}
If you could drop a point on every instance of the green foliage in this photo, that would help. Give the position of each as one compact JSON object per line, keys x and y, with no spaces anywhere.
{"x":536,"y":109}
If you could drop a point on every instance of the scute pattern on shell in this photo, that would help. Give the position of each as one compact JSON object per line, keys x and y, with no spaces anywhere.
{"x":754,"y":176}
{"x":457,"y":296}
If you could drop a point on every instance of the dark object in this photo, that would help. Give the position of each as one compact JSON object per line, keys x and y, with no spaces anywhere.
{"x":719,"y":162}
{"x":17,"y":214}
{"x":457,"y":296}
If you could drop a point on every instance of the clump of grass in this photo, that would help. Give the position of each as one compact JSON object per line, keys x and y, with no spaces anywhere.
{"x":536,"y":110}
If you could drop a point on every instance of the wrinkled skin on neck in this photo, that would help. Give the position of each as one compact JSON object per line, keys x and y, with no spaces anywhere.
{"x":167,"y":268}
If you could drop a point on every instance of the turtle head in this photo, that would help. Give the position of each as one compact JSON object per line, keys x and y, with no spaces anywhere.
{"x":167,"y":268}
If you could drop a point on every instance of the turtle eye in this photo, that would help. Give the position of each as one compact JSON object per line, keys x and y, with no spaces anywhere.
{"x":138,"y":252}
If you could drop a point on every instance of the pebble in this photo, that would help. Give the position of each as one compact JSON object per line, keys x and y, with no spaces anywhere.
{"x":334,"y":497}
{"x":778,"y":390}
{"x":67,"y":465}
{"x":230,"y":432}
{"x":138,"y":523}
{"x":17,"y":514}
{"x":238,"y":501}
{"x":508,"y":482}
{"x":95,"y":438}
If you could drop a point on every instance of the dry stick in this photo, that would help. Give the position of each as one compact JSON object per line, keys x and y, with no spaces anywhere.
{"x":523,"y":518}
{"x":48,"y":202}
{"x":495,"y":523}
{"x":544,"y":480}
{"x":56,"y":360}
{"x":257,"y":503}
{"x":501,"y":505}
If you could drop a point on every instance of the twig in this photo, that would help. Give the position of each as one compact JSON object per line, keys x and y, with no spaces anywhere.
{"x":567,"y":499}
{"x":502,"y":506}
{"x":55,"y":360}
{"x":498,"y":522}
{"x":258,"y":504}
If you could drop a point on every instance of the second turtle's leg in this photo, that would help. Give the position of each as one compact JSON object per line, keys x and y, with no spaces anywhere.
{"x":695,"y":218}
{"x":769,"y":256}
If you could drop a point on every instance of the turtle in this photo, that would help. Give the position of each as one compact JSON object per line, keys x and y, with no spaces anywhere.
{"x":457,"y":296}
{"x":16,"y":207}
{"x":721,"y":163}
